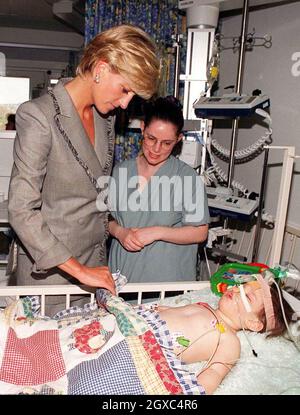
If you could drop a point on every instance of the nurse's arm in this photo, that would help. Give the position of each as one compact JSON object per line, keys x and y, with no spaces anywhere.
{"x":183,"y":236}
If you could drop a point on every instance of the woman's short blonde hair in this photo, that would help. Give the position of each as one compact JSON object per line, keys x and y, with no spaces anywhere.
{"x":130,"y":52}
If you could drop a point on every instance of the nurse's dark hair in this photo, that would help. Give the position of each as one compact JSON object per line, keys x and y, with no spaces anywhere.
{"x":167,"y":109}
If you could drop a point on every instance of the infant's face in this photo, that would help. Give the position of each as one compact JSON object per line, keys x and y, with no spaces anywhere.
{"x":231,"y":301}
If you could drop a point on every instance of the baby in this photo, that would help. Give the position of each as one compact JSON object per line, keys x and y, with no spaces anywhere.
{"x":202,"y":333}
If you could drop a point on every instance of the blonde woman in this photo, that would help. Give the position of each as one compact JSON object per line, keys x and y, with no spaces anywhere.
{"x":64,"y":143}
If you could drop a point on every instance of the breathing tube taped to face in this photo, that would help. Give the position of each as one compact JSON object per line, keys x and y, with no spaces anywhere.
{"x":269,"y":277}
{"x":276,"y":276}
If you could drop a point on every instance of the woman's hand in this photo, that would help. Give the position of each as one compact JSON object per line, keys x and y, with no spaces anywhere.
{"x":148,"y":235}
{"x":99,"y":277}
{"x":126,"y":236}
{"x":129,"y":239}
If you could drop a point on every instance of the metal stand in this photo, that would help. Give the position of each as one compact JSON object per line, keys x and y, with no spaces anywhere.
{"x":238,"y":89}
{"x":177,"y":46}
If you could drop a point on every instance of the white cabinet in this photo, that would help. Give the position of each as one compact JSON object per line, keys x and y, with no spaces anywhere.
{"x":6,"y":163}
{"x":7,"y":139}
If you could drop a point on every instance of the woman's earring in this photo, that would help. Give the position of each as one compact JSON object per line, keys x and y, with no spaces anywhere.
{"x":97,"y":78}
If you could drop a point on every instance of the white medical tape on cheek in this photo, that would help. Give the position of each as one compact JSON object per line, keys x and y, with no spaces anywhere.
{"x":244,"y":299}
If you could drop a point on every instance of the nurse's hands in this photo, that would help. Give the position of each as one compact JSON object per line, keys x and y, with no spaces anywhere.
{"x":134,"y":239}
{"x":148,"y":235}
{"x":129,"y":240}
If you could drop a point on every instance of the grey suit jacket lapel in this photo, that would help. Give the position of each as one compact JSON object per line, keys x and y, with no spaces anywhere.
{"x":101,"y":137}
{"x":69,"y":118}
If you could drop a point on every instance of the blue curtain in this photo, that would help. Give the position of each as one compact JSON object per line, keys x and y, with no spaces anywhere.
{"x":161,"y":20}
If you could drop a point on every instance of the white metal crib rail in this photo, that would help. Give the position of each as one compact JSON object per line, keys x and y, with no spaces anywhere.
{"x":291,"y":245}
{"x":68,"y":290}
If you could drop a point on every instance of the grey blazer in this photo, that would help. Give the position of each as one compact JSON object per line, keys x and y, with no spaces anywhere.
{"x":52,"y":202}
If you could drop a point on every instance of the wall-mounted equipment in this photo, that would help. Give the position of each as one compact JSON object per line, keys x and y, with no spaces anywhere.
{"x":229,"y":205}
{"x":230,"y":105}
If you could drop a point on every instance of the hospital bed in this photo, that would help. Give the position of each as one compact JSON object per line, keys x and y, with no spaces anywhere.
{"x":276,"y":369}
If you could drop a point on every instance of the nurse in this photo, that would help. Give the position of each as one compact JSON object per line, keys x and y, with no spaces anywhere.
{"x":158,"y":204}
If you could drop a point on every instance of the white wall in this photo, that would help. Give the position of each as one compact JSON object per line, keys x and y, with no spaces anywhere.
{"x":41,"y":37}
{"x":276,"y":71}
{"x":32,"y":62}
{"x":35,"y":62}
{"x":6,"y":160}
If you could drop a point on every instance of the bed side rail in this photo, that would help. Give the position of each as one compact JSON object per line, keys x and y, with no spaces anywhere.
{"x":68,"y":290}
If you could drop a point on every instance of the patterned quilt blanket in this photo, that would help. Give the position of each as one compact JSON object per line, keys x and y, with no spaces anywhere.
{"x":113,"y":348}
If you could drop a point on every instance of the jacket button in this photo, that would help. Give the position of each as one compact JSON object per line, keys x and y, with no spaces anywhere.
{"x":81,"y":221}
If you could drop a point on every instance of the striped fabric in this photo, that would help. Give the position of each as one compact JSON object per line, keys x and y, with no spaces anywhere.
{"x":148,"y":375}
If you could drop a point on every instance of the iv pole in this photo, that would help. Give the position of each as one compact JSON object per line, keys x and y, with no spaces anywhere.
{"x":239,"y":80}
{"x":176,"y":45}
{"x":238,"y":89}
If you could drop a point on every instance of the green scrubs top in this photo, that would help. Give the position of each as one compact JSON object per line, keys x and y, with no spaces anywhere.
{"x":175,"y":196}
